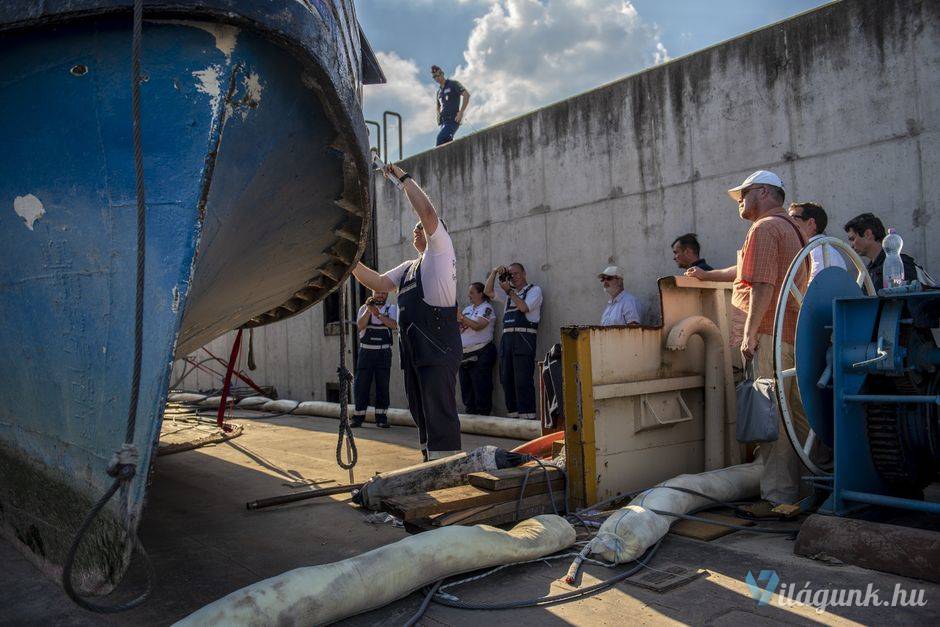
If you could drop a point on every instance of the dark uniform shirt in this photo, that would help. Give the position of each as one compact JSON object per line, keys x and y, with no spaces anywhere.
{"x":701,"y":264}
{"x":448,"y":97}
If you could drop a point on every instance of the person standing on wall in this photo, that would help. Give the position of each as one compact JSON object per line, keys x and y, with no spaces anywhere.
{"x":520,"y":329}
{"x":429,"y":338}
{"x":477,"y":322}
{"x":376,"y":321}
{"x":452,"y":101}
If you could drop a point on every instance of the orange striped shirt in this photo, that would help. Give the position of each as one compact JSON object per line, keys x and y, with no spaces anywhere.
{"x":769,"y":248}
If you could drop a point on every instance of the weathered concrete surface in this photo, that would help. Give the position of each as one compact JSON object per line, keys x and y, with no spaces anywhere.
{"x":843,"y":102}
{"x":204,"y":544}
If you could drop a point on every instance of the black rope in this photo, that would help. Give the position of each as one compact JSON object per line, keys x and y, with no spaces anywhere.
{"x":525,"y":481}
{"x":123,"y":466}
{"x":345,"y":378}
{"x":641,"y":562}
{"x":424,"y":605}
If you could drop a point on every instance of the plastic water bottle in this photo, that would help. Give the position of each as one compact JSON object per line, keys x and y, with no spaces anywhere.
{"x":894,"y":267}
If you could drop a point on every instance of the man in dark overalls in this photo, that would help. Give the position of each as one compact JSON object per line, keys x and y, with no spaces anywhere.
{"x":429,"y":338}
{"x":452,"y":101}
{"x":376,"y":321}
{"x":520,"y":334}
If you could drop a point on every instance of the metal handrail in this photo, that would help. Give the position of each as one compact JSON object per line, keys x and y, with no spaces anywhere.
{"x":385,"y":133}
{"x":378,"y":135}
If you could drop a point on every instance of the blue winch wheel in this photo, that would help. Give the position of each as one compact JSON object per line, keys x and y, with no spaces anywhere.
{"x":813,"y":350}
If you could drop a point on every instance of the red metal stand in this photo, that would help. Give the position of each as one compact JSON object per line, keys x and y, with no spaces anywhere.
{"x":226,"y":384}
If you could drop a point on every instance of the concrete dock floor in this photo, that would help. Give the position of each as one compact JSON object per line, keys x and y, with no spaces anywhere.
{"x":205,"y":544}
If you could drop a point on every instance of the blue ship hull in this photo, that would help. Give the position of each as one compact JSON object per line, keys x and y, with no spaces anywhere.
{"x":255,"y":161}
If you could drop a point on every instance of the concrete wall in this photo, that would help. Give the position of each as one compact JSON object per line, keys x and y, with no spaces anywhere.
{"x":843,"y":102}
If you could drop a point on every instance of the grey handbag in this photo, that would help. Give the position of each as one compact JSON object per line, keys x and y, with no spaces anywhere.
{"x":758,"y":415}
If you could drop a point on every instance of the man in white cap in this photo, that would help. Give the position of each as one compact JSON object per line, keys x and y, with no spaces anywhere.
{"x":622,"y":308}
{"x":772,"y":242}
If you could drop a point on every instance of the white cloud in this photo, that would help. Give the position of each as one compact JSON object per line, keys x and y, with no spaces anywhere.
{"x":404,"y":93}
{"x":523,"y":54}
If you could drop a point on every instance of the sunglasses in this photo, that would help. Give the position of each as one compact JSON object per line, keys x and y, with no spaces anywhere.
{"x":746,"y":191}
{"x":607,"y":278}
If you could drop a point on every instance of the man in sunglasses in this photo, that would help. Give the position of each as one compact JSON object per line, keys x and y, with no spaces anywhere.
{"x":452,"y":101}
{"x":812,"y":220}
{"x":771,"y":244}
{"x":429,"y":338}
{"x":622,"y":308}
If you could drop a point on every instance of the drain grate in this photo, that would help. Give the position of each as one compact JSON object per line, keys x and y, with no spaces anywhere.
{"x":666,"y":578}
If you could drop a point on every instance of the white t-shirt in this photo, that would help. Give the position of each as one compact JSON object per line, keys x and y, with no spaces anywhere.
{"x":816,"y":259}
{"x":622,"y":309}
{"x":389,"y":310}
{"x":472,"y":339}
{"x":533,"y":300}
{"x":438,"y":270}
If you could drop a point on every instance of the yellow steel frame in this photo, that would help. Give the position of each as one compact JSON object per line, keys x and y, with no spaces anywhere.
{"x":577,"y":385}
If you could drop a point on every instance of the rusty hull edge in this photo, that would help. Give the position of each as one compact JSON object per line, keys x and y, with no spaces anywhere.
{"x":103,"y":554}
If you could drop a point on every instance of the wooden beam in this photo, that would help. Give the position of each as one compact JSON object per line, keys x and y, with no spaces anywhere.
{"x":421,"y":505}
{"x":512,"y":477}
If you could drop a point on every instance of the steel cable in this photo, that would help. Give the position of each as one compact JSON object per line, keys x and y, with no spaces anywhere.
{"x":345,"y":378}
{"x":123,"y":466}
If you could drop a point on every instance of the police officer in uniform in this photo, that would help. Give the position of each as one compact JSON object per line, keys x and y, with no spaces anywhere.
{"x":376,"y":321}
{"x":520,"y":329}
{"x":476,"y":370}
{"x":452,"y":101}
{"x":429,"y":338}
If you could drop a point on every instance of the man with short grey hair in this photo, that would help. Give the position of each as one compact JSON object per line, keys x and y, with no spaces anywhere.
{"x":771,"y":244}
{"x":622,"y":308}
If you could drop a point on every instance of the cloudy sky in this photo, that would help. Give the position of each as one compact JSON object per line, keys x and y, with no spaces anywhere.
{"x":518,"y":55}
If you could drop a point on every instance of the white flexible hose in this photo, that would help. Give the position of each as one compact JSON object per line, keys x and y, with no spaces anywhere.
{"x":626,"y":534}
{"x":323,"y":594}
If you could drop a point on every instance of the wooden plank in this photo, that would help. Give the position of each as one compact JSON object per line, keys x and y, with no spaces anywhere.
{"x":507,"y":478}
{"x":414,"y":506}
{"x":455,"y":518}
{"x":705,"y":531}
{"x":418,"y":526}
{"x":506,"y":512}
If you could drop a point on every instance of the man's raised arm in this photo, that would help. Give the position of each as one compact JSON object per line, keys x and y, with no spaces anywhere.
{"x":419,"y":200}
{"x":372,"y":279}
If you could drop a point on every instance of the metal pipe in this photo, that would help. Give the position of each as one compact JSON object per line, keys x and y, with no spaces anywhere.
{"x":890,"y":398}
{"x":301,"y":496}
{"x":385,"y":117}
{"x":889,"y":501}
{"x":714,"y":381}
{"x":378,"y":135}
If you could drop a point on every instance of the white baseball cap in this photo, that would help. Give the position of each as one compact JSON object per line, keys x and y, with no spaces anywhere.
{"x":761,"y":177}
{"x":611,"y":271}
